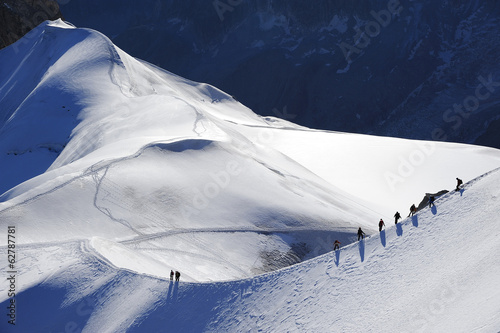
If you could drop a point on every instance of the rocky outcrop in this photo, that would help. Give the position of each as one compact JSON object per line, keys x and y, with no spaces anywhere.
{"x":425,"y":200}
{"x":18,"y":17}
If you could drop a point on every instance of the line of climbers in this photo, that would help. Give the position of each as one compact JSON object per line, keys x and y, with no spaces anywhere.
{"x":397,"y":216}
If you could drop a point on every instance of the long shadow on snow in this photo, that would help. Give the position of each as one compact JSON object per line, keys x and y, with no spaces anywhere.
{"x":176,"y":291}
{"x":337,"y":257}
{"x":414,"y":220}
{"x":170,"y":287}
{"x":382,"y":238}
{"x":362,"y":249}
{"x":195,"y":308}
{"x":399,"y":229}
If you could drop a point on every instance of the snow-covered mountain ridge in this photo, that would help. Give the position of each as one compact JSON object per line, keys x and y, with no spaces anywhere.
{"x":152,"y":159}
{"x":125,"y":171}
{"x":151,"y":164}
{"x":434,"y":272}
{"x":413,"y":72}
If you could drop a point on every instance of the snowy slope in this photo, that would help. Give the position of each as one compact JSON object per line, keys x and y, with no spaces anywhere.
{"x":144,"y":164}
{"x":388,"y":174}
{"x":116,"y":172}
{"x":142,"y":157}
{"x":435,"y":272}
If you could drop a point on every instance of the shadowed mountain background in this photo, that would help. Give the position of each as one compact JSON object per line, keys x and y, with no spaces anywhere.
{"x":18,"y":17}
{"x":419,"y":69}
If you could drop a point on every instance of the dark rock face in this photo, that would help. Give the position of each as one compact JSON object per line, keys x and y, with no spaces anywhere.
{"x":418,"y":69}
{"x":18,"y":17}
{"x":425,"y":201}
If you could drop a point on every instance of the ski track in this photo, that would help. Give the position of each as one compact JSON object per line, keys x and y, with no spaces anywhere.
{"x":92,"y":171}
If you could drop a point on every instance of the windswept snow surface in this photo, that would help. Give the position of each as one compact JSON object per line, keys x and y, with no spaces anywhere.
{"x":435,"y":272}
{"x":115,"y":171}
{"x":134,"y":155}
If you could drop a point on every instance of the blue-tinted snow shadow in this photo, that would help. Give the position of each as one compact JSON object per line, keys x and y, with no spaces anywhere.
{"x":399,"y":229}
{"x":170,"y":288}
{"x":382,"y":238}
{"x":176,"y":290}
{"x":39,"y":309}
{"x":362,"y":249}
{"x":182,"y":145}
{"x":461,"y":191}
{"x":434,"y":210}
{"x":337,"y":257}
{"x":195,"y":309}
{"x":414,"y":220}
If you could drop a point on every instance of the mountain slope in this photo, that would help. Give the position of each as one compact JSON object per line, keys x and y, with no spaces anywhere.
{"x":136,"y":171}
{"x":385,"y":174}
{"x":434,"y":272}
{"x":180,"y":174}
{"x":437,"y":273}
{"x":142,"y":157}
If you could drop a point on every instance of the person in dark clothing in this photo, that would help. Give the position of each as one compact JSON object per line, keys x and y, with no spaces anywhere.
{"x":413,"y":210}
{"x":171,"y":275}
{"x":459,"y":182}
{"x":177,"y":275}
{"x":361,"y":234}
{"x":380,"y":225}
{"x":397,"y":216}
{"x":336,"y":245}
{"x":431,"y":201}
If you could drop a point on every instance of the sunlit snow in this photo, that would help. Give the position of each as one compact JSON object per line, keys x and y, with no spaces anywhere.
{"x":115,"y":172}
